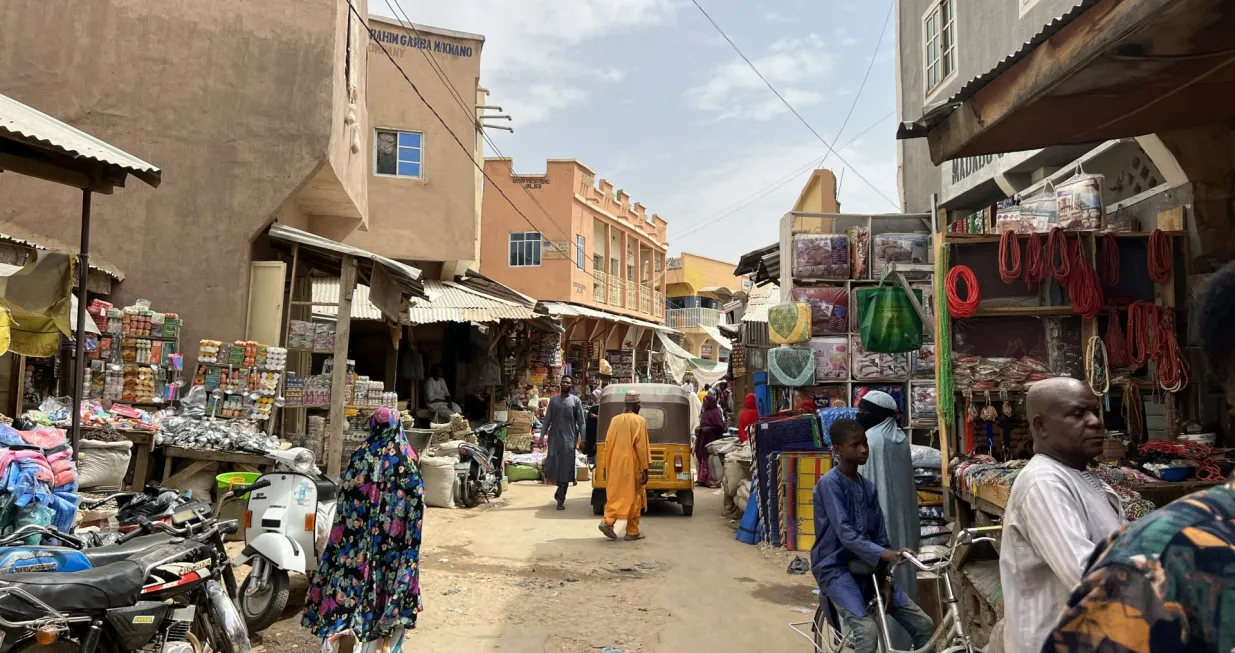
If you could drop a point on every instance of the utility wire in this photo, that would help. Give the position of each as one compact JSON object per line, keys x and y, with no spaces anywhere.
{"x":853,"y":105}
{"x":470,"y":153}
{"x":792,"y":110}
{"x":470,"y":112}
{"x":777,"y":185}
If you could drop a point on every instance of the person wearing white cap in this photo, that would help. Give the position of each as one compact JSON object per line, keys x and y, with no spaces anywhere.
{"x":627,"y":459}
{"x":890,"y":468}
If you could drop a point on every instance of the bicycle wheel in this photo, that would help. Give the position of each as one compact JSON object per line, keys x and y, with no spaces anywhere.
{"x":828,"y":639}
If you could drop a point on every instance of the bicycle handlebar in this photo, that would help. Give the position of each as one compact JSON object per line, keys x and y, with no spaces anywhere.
{"x":937,"y":563}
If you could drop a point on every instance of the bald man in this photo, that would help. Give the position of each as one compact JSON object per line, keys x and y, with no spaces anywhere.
{"x":1057,"y":513}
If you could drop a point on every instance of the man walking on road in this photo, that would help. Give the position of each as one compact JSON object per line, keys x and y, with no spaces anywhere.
{"x":564,"y":427}
{"x":627,"y":459}
{"x":1057,"y":512}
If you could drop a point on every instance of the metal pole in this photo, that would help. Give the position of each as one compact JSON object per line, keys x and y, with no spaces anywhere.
{"x":79,"y":360}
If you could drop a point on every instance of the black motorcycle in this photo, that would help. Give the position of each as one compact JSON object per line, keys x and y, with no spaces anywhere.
{"x":480,"y":465}
{"x":142,"y":595}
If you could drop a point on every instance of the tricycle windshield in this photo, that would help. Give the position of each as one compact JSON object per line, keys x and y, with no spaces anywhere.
{"x":665,"y":407}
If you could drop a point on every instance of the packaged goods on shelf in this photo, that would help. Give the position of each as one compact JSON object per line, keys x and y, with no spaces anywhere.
{"x":208,"y":351}
{"x":1080,"y":202}
{"x":829,"y":307}
{"x":831,"y":358}
{"x":323,"y":336}
{"x":899,"y":248}
{"x":300,"y":334}
{"x":923,"y":400}
{"x":896,"y":391}
{"x":98,"y":310}
{"x":923,"y":363}
{"x":821,"y":256}
{"x":872,"y":365}
{"x":859,"y":251}
{"x":293,"y":390}
{"x":1040,"y":212}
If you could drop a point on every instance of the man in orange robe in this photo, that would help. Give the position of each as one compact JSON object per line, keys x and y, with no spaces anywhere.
{"x":627,"y":458}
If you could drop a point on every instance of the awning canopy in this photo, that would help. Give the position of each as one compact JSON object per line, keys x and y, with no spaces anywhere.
{"x":715,"y":334}
{"x":763,"y":263}
{"x":326,"y":256}
{"x":567,"y":309}
{"x":35,"y":144}
{"x":1107,"y":69}
{"x":38,"y":297}
{"x":679,"y":361}
{"x":446,"y":301}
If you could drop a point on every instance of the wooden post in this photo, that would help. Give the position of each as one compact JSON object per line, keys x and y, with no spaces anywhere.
{"x":338,"y":383}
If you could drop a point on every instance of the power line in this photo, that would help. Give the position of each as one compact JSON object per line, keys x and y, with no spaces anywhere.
{"x":470,"y":154}
{"x":777,"y":185}
{"x":471,"y":113}
{"x":853,"y":105}
{"x":792,"y":110}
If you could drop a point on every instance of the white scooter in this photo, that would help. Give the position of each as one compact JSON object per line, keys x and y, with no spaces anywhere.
{"x":286,"y":524}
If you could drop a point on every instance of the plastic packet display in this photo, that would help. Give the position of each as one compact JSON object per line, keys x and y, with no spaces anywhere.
{"x":1080,"y":202}
{"x":831,"y":358}
{"x":829,"y":307}
{"x":821,"y":256}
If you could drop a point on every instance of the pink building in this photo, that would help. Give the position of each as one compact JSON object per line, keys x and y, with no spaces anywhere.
{"x":582,"y":241}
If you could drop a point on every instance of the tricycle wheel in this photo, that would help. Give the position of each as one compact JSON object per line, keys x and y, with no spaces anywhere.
{"x":599,"y":497}
{"x":687,"y":500}
{"x":261,"y":609}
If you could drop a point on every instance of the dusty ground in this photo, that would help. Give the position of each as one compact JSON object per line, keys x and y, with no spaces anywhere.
{"x":519,"y":576}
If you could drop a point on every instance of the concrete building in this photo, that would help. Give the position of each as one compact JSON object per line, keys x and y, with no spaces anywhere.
{"x":255,"y":110}
{"x":697,"y":289}
{"x":942,"y":45}
{"x":424,"y":191}
{"x":578,"y":240}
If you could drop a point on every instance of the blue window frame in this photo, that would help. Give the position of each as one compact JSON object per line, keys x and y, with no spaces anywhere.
{"x":399,"y":154}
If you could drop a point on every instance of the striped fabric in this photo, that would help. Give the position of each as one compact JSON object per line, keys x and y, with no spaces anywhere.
{"x":1055,"y":518}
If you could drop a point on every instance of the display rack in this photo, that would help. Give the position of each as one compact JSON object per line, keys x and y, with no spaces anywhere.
{"x":920,"y":276}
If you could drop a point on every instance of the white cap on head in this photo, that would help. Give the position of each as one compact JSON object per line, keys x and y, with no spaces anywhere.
{"x":880,"y":398}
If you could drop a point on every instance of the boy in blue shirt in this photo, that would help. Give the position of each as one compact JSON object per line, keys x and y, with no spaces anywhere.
{"x":849,"y":526}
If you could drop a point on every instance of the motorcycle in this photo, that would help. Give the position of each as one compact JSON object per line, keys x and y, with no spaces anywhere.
{"x":137,"y":508}
{"x":165,"y":598}
{"x":480,"y":465}
{"x":287,"y":521}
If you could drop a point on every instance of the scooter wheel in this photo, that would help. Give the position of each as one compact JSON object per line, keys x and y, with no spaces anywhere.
{"x":262,"y":610}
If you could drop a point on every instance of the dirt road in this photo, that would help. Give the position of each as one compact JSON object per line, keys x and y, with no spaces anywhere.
{"x":518,"y":576}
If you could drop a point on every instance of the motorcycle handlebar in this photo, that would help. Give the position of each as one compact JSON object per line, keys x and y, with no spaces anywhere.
{"x":34,"y":529}
{"x":241,"y":490}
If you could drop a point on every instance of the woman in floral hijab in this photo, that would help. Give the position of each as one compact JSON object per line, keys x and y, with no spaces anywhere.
{"x":368,"y":585}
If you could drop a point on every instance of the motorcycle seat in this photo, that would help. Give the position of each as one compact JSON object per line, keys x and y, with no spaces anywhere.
{"x":101,"y":556}
{"x":95,"y":590}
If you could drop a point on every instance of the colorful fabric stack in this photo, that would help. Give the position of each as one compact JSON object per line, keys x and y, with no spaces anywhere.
{"x":971,"y":473}
{"x":774,"y":435}
{"x":38,"y":480}
{"x":828,"y":417}
{"x":799,"y":472}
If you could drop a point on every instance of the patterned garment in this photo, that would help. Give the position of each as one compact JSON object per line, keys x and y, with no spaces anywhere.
{"x":369,"y":579}
{"x":1164,"y":583}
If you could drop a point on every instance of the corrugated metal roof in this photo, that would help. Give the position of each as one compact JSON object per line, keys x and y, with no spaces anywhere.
{"x":451,"y":302}
{"x":937,"y":112}
{"x":329,"y":252}
{"x":567,"y":308}
{"x":37,"y":129}
{"x":447,"y":302}
{"x":17,"y":236}
{"x":761,"y":299}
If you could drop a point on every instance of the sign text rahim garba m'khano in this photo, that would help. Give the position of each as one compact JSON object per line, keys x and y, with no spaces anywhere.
{"x":401,"y":40}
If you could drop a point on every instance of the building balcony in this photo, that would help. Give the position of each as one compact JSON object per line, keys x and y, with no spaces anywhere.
{"x":615,"y":291}
{"x":600,"y":292}
{"x":658,"y":303}
{"x":690,"y":318}
{"x":632,"y":296}
{"x":645,"y":300}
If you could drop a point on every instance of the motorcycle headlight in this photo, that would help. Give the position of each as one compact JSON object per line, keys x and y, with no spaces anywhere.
{"x":304,"y":462}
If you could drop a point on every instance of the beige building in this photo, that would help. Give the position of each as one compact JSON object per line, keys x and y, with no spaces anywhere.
{"x":252,"y":110}
{"x":697,"y":289}
{"x":281,"y":110}
{"x":424,"y":190}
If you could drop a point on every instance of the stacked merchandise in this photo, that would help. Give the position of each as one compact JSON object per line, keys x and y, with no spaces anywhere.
{"x":315,"y":336}
{"x":120,"y":416}
{"x":799,"y":472}
{"x":774,"y":435}
{"x":545,"y":361}
{"x":928,"y":478}
{"x":519,"y":433}
{"x":242,"y":378}
{"x":371,"y":394}
{"x":39,"y":480}
{"x":973,"y":474}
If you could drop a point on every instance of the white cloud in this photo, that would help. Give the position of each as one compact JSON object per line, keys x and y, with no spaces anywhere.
{"x":793,"y":65}
{"x":527,"y":61}
{"x":611,"y":75}
{"x":774,"y":17}
{"x":732,"y":182}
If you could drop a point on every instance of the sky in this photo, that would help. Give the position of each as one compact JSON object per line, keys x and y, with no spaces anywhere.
{"x":650,"y":96}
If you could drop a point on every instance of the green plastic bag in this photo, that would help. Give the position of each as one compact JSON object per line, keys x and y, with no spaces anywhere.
{"x":889,"y":325}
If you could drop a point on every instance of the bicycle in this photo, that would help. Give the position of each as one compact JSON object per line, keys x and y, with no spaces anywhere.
{"x":826,"y":633}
